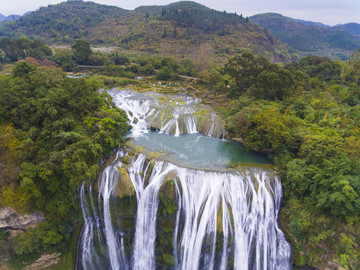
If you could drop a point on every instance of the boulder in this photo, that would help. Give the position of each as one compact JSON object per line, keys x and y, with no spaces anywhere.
{"x":11,"y":220}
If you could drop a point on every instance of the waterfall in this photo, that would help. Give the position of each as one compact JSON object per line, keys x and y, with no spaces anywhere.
{"x":170,"y":114}
{"x":154,"y":214}
{"x":223,"y":220}
{"x":97,"y":222}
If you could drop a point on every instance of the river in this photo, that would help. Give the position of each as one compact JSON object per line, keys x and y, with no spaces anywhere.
{"x":180,"y":196}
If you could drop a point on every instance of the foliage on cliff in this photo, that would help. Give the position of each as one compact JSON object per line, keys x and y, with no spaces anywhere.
{"x":307,"y":114}
{"x":55,"y":130}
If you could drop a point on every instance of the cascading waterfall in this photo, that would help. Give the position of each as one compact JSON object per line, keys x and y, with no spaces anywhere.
{"x":153,"y":214}
{"x":222,"y":220}
{"x":170,"y":114}
{"x":98,"y":225}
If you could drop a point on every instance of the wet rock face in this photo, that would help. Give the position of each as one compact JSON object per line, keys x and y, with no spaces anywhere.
{"x":11,"y":220}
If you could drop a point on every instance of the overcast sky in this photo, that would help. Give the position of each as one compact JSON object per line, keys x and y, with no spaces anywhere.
{"x":330,"y":12}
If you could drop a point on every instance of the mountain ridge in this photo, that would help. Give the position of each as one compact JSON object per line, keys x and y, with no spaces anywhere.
{"x":352,"y":28}
{"x":176,"y":29}
{"x":310,"y":22}
{"x":4,"y":18}
{"x":307,"y":38}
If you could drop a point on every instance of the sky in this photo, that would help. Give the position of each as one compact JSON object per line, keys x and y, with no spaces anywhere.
{"x":330,"y":12}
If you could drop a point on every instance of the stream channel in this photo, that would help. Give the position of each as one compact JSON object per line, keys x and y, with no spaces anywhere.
{"x":180,"y":196}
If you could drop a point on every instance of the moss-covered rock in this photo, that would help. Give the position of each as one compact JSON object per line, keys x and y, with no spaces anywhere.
{"x":124,"y":186}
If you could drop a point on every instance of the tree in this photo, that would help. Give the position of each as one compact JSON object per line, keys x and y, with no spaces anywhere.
{"x":164,"y":34}
{"x":164,"y":73}
{"x":22,"y":69}
{"x":11,"y":49}
{"x":81,"y":51}
{"x":272,"y":85}
{"x":18,"y":49}
{"x":64,"y":59}
{"x":244,"y":70}
{"x":351,"y":73}
{"x":326,"y":175}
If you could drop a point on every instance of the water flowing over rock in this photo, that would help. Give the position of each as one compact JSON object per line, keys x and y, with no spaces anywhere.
{"x":170,"y":114}
{"x":180,"y":213}
{"x":214,"y":220}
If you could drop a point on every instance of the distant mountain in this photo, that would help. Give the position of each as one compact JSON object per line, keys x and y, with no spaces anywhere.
{"x":307,"y":39}
{"x":352,"y":28}
{"x":177,"y":29}
{"x":311,"y":23}
{"x":9,"y":18}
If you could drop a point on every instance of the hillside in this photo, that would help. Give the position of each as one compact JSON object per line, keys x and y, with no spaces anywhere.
{"x":352,"y":28}
{"x":181,"y":29}
{"x":307,"y":39}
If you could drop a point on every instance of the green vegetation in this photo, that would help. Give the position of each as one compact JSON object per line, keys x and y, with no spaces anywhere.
{"x":305,"y":115}
{"x":55,"y":130}
{"x":258,"y":77}
{"x":13,"y":50}
{"x":82,"y":51}
{"x":113,"y":64}
{"x":187,"y":14}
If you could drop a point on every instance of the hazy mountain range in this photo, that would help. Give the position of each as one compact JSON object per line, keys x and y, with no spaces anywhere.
{"x":9,"y":18}
{"x":309,"y":38}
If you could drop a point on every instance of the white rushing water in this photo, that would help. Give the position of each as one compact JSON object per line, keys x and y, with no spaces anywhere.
{"x":223,"y":219}
{"x":153,"y":214}
{"x":170,"y":114}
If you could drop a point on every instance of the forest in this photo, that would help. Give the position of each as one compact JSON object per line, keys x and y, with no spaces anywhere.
{"x":56,"y":130}
{"x":305,"y":115}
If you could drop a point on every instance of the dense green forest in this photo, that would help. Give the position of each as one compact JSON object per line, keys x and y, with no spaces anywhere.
{"x":54,"y":133}
{"x":306,"y":116}
{"x":13,"y":50}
